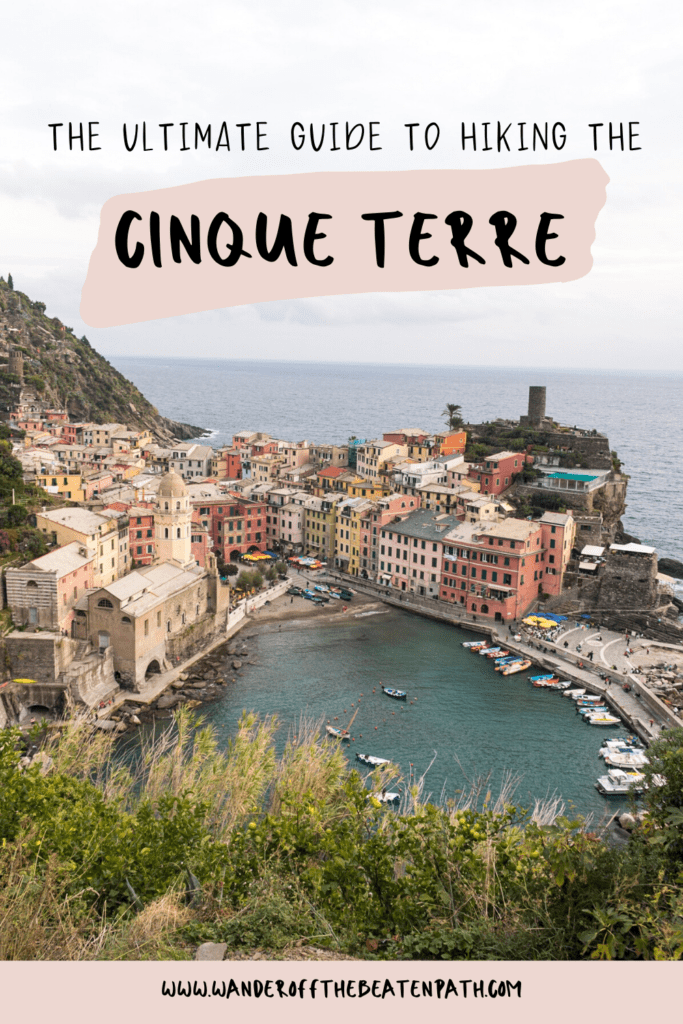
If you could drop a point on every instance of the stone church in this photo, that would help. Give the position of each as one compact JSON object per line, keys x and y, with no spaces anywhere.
{"x":159,"y":615}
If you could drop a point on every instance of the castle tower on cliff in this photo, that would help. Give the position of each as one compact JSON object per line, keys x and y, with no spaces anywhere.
{"x":16,"y":364}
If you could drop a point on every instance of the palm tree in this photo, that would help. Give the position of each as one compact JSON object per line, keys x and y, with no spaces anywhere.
{"x":454,"y":420}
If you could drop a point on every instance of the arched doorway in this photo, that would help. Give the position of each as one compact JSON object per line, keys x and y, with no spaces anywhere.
{"x":153,"y":669}
{"x":235,"y":555}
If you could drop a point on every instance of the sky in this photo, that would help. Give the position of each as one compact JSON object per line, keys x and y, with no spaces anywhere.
{"x":390,"y":62}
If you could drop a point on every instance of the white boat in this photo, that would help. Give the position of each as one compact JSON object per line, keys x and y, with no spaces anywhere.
{"x":475,"y":643}
{"x":621,"y":744}
{"x":626,"y":759}
{"x":373,"y":761}
{"x":573,"y":693}
{"x":385,"y":798}
{"x":617,"y":782}
{"x":601,"y":719}
{"x":488,"y":650}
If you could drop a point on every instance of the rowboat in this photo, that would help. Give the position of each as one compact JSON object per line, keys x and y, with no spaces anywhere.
{"x":538,"y":679}
{"x":505,"y":662}
{"x":573,"y":693}
{"x":396,"y":694}
{"x":337,"y":734}
{"x":498,"y":654}
{"x":373,"y":761}
{"x":603,"y":709}
{"x":341,"y":734}
{"x":488,"y":650}
{"x":518,"y":666}
{"x":475,"y":643}
{"x":546,"y":682}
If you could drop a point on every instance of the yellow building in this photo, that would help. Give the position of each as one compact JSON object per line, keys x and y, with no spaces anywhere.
{"x":347,"y":533}
{"x":66,"y":485}
{"x":104,"y":536}
{"x":320,"y":525}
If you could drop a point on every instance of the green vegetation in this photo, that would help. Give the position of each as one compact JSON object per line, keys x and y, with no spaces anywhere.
{"x":68,"y":373}
{"x":102,"y":861}
{"x":453,"y":417}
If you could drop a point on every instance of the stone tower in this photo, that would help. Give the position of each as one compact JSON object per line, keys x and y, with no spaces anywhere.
{"x":16,"y":364}
{"x":173,"y":522}
{"x":536,"y":405}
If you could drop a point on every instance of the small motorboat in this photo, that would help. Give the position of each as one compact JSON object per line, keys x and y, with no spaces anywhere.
{"x":573,"y":693}
{"x":371,"y":760}
{"x":475,"y":643}
{"x":488,"y":650}
{"x":626,"y":759}
{"x":601,"y":719}
{"x":396,"y":694}
{"x":498,"y":654}
{"x":517,"y":666}
{"x":385,"y":798}
{"x":621,"y":745}
{"x":547,"y":678}
{"x":545,"y":684}
{"x":620,"y":783}
{"x":602,"y":709}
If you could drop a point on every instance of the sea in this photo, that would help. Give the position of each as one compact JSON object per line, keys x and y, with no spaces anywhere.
{"x":465,"y":722}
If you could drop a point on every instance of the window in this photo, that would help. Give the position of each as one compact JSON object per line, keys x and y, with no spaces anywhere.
{"x":105,"y":603}
{"x":507,"y":579}
{"x":552,"y":543}
{"x":158,"y":618}
{"x":146,"y":627}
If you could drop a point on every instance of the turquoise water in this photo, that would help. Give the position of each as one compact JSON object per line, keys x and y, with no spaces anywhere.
{"x":474,"y":720}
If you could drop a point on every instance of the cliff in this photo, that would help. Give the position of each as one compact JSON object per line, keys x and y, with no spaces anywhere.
{"x":67,"y":372}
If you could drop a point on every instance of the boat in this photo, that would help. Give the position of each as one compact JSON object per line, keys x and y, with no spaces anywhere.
{"x":621,"y":745}
{"x":601,"y":719}
{"x":601,"y":710}
{"x":505,"y":662}
{"x":518,"y":666}
{"x":545,"y":684}
{"x":475,"y":643}
{"x":548,"y":677}
{"x":385,"y":798}
{"x":626,"y":759}
{"x":341,"y":734}
{"x":573,"y":693}
{"x":337,"y":734}
{"x":498,"y":654}
{"x":396,"y":694}
{"x":561,"y":684}
{"x":488,"y":650}
{"x":619,"y":783}
{"x":373,"y":761}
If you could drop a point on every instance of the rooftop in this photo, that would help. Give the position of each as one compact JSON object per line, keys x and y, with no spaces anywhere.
{"x":62,"y":561}
{"x":424,"y":524}
{"x":80,"y":519}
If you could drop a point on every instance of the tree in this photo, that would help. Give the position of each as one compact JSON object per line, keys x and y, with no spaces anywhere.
{"x":244,"y":581}
{"x":271,"y":573}
{"x":257,"y":580}
{"x":229,"y":569}
{"x":454,"y":420}
{"x":10,"y":282}
{"x":281,"y":568}
{"x":664,"y":795}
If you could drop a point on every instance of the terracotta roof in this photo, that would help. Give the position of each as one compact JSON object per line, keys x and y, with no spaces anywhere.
{"x":331,"y":472}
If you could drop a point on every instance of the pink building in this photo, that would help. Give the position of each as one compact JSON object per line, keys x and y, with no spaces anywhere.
{"x":496,"y":570}
{"x":386,"y":510}
{"x":43,"y":592}
{"x":496,"y":473}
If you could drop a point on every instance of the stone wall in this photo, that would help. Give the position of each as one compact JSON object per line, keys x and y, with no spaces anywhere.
{"x":40,"y":656}
{"x":628,"y":582}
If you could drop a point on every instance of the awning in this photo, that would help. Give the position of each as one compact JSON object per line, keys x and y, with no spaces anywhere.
{"x":588,"y":566}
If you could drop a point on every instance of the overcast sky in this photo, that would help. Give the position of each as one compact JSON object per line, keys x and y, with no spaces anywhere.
{"x":393,"y":62}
